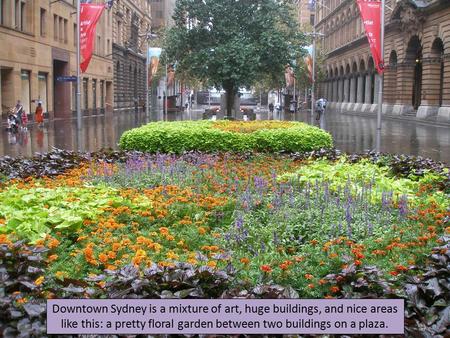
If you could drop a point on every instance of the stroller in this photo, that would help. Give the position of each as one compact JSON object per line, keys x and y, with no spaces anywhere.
{"x":13,"y":122}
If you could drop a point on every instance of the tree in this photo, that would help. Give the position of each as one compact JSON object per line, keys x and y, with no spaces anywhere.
{"x":233,"y":43}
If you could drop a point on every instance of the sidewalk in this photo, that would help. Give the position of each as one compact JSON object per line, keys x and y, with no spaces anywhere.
{"x":430,"y":121}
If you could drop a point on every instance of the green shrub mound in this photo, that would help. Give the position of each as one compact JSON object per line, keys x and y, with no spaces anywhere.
{"x":178,"y":137}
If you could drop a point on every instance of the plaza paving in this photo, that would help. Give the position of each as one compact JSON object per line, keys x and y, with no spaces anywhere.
{"x":351,"y":133}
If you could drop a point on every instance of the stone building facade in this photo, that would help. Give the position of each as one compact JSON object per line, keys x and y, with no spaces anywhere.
{"x":417,"y":58}
{"x":38,"y":46}
{"x":162,"y":11}
{"x":131,"y":27}
{"x":305,"y":14}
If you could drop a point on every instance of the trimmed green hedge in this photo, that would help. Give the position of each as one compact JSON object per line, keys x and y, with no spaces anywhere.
{"x":209,"y":136}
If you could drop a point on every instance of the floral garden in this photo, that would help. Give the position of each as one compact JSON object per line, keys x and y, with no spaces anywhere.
{"x":229,"y":209}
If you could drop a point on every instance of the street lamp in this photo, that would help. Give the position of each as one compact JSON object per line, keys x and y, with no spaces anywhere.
{"x":314,"y":35}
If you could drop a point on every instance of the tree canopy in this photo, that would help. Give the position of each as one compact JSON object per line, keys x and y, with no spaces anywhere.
{"x":233,"y":43}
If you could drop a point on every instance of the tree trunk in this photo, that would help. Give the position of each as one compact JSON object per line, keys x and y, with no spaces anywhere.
{"x":229,"y":93}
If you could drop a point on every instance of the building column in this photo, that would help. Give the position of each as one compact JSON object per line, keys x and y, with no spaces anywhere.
{"x":376,"y":88}
{"x":367,"y":105}
{"x":405,"y":81}
{"x":341,"y":90}
{"x":335,"y":90}
{"x":368,"y":91}
{"x":431,"y":76}
{"x":346,"y":88}
{"x":353,"y":89}
{"x":444,"y":110}
{"x":330,"y":91}
{"x":361,"y":93}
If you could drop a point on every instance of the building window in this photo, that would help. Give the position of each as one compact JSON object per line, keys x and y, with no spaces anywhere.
{"x":2,"y":11}
{"x":94,"y":94}
{"x":55,"y":27}
{"x":43,"y":31}
{"x":119,"y":32}
{"x":22,"y":16}
{"x":65,"y":31}
{"x":108,"y":46}
{"x":102,"y":94}
{"x":16,"y":14}
{"x":42,"y":88}
{"x":75,"y":32}
{"x":61,"y":29}
{"x":25,"y":90}
{"x":99,"y":45}
{"x":85,"y":94}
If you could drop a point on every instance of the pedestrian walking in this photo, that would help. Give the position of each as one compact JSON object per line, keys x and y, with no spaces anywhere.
{"x":18,"y":111}
{"x":24,"y":121}
{"x":39,"y":114}
{"x":271,"y":107}
{"x":321,"y":104}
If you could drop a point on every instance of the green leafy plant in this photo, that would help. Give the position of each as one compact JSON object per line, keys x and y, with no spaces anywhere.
{"x":34,"y":213}
{"x":178,"y":137}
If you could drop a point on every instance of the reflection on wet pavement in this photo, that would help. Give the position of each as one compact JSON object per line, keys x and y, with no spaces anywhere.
{"x":351,"y":133}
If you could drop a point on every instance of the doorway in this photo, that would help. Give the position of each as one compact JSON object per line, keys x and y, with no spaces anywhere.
{"x":61,"y":89}
{"x":7,"y":99}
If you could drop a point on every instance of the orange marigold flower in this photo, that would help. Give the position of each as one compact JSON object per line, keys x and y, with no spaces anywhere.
{"x":52,"y":258}
{"x":53,"y":243}
{"x":266,"y":268}
{"x":393,"y":273}
{"x":103,"y":258}
{"x":311,"y":286}
{"x":309,"y":276}
{"x":332,"y":255}
{"x":164,"y":231}
{"x":245,"y":260}
{"x":284,"y":266}
{"x":322,"y":281}
{"x":201,"y":230}
{"x":358,"y":262}
{"x":334,"y":289}
{"x":401,"y":268}
{"x":212,"y":264}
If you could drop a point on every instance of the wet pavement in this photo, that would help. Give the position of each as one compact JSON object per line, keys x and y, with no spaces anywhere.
{"x":351,"y":133}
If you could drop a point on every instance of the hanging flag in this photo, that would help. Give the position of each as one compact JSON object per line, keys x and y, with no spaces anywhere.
{"x":89,"y":16}
{"x":309,"y":62}
{"x":153,"y":62}
{"x":371,"y":17}
{"x":171,"y":74}
{"x":289,"y":76}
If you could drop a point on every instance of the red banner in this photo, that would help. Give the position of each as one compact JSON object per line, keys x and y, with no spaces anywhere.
{"x":89,"y":16}
{"x":371,"y":17}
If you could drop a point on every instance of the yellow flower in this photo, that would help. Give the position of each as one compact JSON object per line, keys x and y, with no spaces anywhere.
{"x":212,"y":264}
{"x":192,"y":261}
{"x":172,"y":255}
{"x":39,"y":280}
{"x":60,"y":274}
